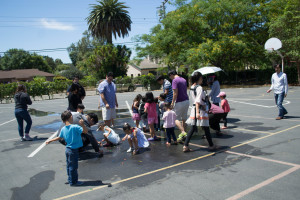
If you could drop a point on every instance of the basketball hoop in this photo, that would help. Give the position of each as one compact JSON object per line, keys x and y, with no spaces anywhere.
{"x":273,"y":44}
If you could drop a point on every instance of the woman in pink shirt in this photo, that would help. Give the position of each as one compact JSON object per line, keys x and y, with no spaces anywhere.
{"x":225,"y":106}
{"x":169,"y":117}
{"x":150,"y":109}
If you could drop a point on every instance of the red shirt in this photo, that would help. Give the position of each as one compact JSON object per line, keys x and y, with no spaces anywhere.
{"x":225,"y":106}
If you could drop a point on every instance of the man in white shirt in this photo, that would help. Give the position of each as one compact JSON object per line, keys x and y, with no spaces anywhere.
{"x":280,"y":87}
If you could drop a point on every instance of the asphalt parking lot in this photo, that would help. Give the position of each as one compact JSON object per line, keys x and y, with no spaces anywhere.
{"x":258,"y":156}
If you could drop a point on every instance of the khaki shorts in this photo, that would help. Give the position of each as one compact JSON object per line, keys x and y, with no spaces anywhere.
{"x":181,"y":110}
{"x":108,"y":114}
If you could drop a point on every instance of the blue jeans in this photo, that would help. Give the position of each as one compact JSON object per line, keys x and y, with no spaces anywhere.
{"x":22,"y":115}
{"x":72,"y":165}
{"x":278,"y":101}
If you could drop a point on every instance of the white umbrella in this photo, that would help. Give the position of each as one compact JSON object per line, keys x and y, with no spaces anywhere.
{"x":208,"y":70}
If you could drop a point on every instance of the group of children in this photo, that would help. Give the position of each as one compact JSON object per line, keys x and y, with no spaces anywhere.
{"x":146,"y":110}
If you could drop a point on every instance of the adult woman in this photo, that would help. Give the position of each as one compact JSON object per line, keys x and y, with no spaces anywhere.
{"x":215,"y":89}
{"x":74,"y":98}
{"x":199,"y":112}
{"x":22,"y":99}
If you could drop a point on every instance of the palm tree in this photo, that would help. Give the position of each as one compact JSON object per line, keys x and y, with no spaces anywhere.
{"x":109,"y":18}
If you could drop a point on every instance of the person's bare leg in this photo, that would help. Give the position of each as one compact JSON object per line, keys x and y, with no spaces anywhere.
{"x":107,"y":122}
{"x":152,"y":131}
{"x":135,"y":142}
{"x":137,"y":122}
{"x":130,"y":142}
{"x":179,"y":125}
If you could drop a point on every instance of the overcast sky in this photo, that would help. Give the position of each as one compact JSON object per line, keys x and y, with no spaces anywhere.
{"x":51,"y":24}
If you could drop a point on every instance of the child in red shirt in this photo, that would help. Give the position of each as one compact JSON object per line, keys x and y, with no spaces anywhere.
{"x":225,"y":106}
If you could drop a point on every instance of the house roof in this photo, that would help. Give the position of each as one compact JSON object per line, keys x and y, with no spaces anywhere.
{"x":23,"y":74}
{"x":147,"y":64}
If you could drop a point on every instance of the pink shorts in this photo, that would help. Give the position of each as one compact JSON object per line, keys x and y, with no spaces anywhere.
{"x":136,"y":116}
{"x":152,"y":120}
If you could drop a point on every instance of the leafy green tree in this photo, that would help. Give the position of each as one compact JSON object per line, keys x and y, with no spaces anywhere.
{"x":286,"y":27}
{"x":227,"y":33}
{"x":50,"y":61}
{"x":108,"y":58}
{"x":109,"y":18}
{"x":71,"y":73}
{"x":21,"y":59}
{"x":83,"y":48}
{"x":58,"y":61}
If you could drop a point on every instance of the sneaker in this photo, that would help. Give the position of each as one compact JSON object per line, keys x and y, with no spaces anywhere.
{"x":224,"y":127}
{"x":181,"y":136}
{"x":151,"y":139}
{"x":212,"y":148}
{"x":130,"y":150}
{"x":278,"y":118}
{"x":27,"y":138}
{"x":79,"y":183}
{"x":22,"y":139}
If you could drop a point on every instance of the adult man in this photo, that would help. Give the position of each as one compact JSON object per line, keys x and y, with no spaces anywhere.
{"x":108,"y":99}
{"x":167,"y":88}
{"x":180,"y":101}
{"x":280,"y":87}
{"x":81,"y":91}
{"x":89,"y":120}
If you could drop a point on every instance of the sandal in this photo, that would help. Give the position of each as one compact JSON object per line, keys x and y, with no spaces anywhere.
{"x":187,"y":149}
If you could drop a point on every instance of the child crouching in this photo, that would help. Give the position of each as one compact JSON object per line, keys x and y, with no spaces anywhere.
{"x":136,"y":139}
{"x":110,"y":136}
{"x":71,"y":133}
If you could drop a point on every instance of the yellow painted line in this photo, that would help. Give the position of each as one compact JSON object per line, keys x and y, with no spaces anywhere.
{"x":242,"y":129}
{"x":171,"y":166}
{"x":254,"y":140}
{"x":134,"y":177}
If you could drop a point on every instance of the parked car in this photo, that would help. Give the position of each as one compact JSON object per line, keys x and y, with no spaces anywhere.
{"x":128,"y":87}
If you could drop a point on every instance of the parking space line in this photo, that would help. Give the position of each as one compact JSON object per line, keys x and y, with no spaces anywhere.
{"x":128,"y":108}
{"x":42,"y":145}
{"x":7,"y":122}
{"x":257,"y":139}
{"x":137,"y":176}
{"x":260,"y":117}
{"x":19,"y":138}
{"x":248,"y":130}
{"x":262,"y":184}
{"x":253,"y":104}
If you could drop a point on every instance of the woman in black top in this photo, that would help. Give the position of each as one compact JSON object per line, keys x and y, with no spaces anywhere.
{"x":22,"y":99}
{"x":74,"y":98}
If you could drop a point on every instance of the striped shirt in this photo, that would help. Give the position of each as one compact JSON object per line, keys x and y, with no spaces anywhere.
{"x":167,"y":86}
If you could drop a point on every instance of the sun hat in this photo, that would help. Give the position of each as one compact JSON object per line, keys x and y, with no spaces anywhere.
{"x":221,"y":94}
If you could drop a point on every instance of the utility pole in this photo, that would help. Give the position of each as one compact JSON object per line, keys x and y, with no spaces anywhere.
{"x":162,"y":10}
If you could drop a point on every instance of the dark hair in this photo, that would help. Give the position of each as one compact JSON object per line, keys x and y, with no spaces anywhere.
{"x":160,"y":78}
{"x":75,"y":77}
{"x":110,"y":74}
{"x":149,"y":97}
{"x":277,"y":65}
{"x":195,"y":77}
{"x":167,"y":105}
{"x":155,"y":100}
{"x":80,"y":106}
{"x":143,"y":99}
{"x":126,"y":126}
{"x":21,"y":88}
{"x":172,"y":72}
{"x":163,"y":96}
{"x":138,"y":97}
{"x":94,"y":117}
{"x":74,"y":87}
{"x":101,"y":124}
{"x":66,"y":115}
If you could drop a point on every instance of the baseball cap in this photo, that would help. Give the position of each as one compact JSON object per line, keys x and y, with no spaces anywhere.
{"x":221,"y":94}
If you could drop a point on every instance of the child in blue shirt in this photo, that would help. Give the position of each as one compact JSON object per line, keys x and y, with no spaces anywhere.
{"x":71,"y":133}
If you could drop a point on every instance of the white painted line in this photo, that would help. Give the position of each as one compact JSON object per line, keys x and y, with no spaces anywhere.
{"x":262,"y":184}
{"x":253,"y":104}
{"x":42,"y":146}
{"x":130,"y":111}
{"x":7,"y":122}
